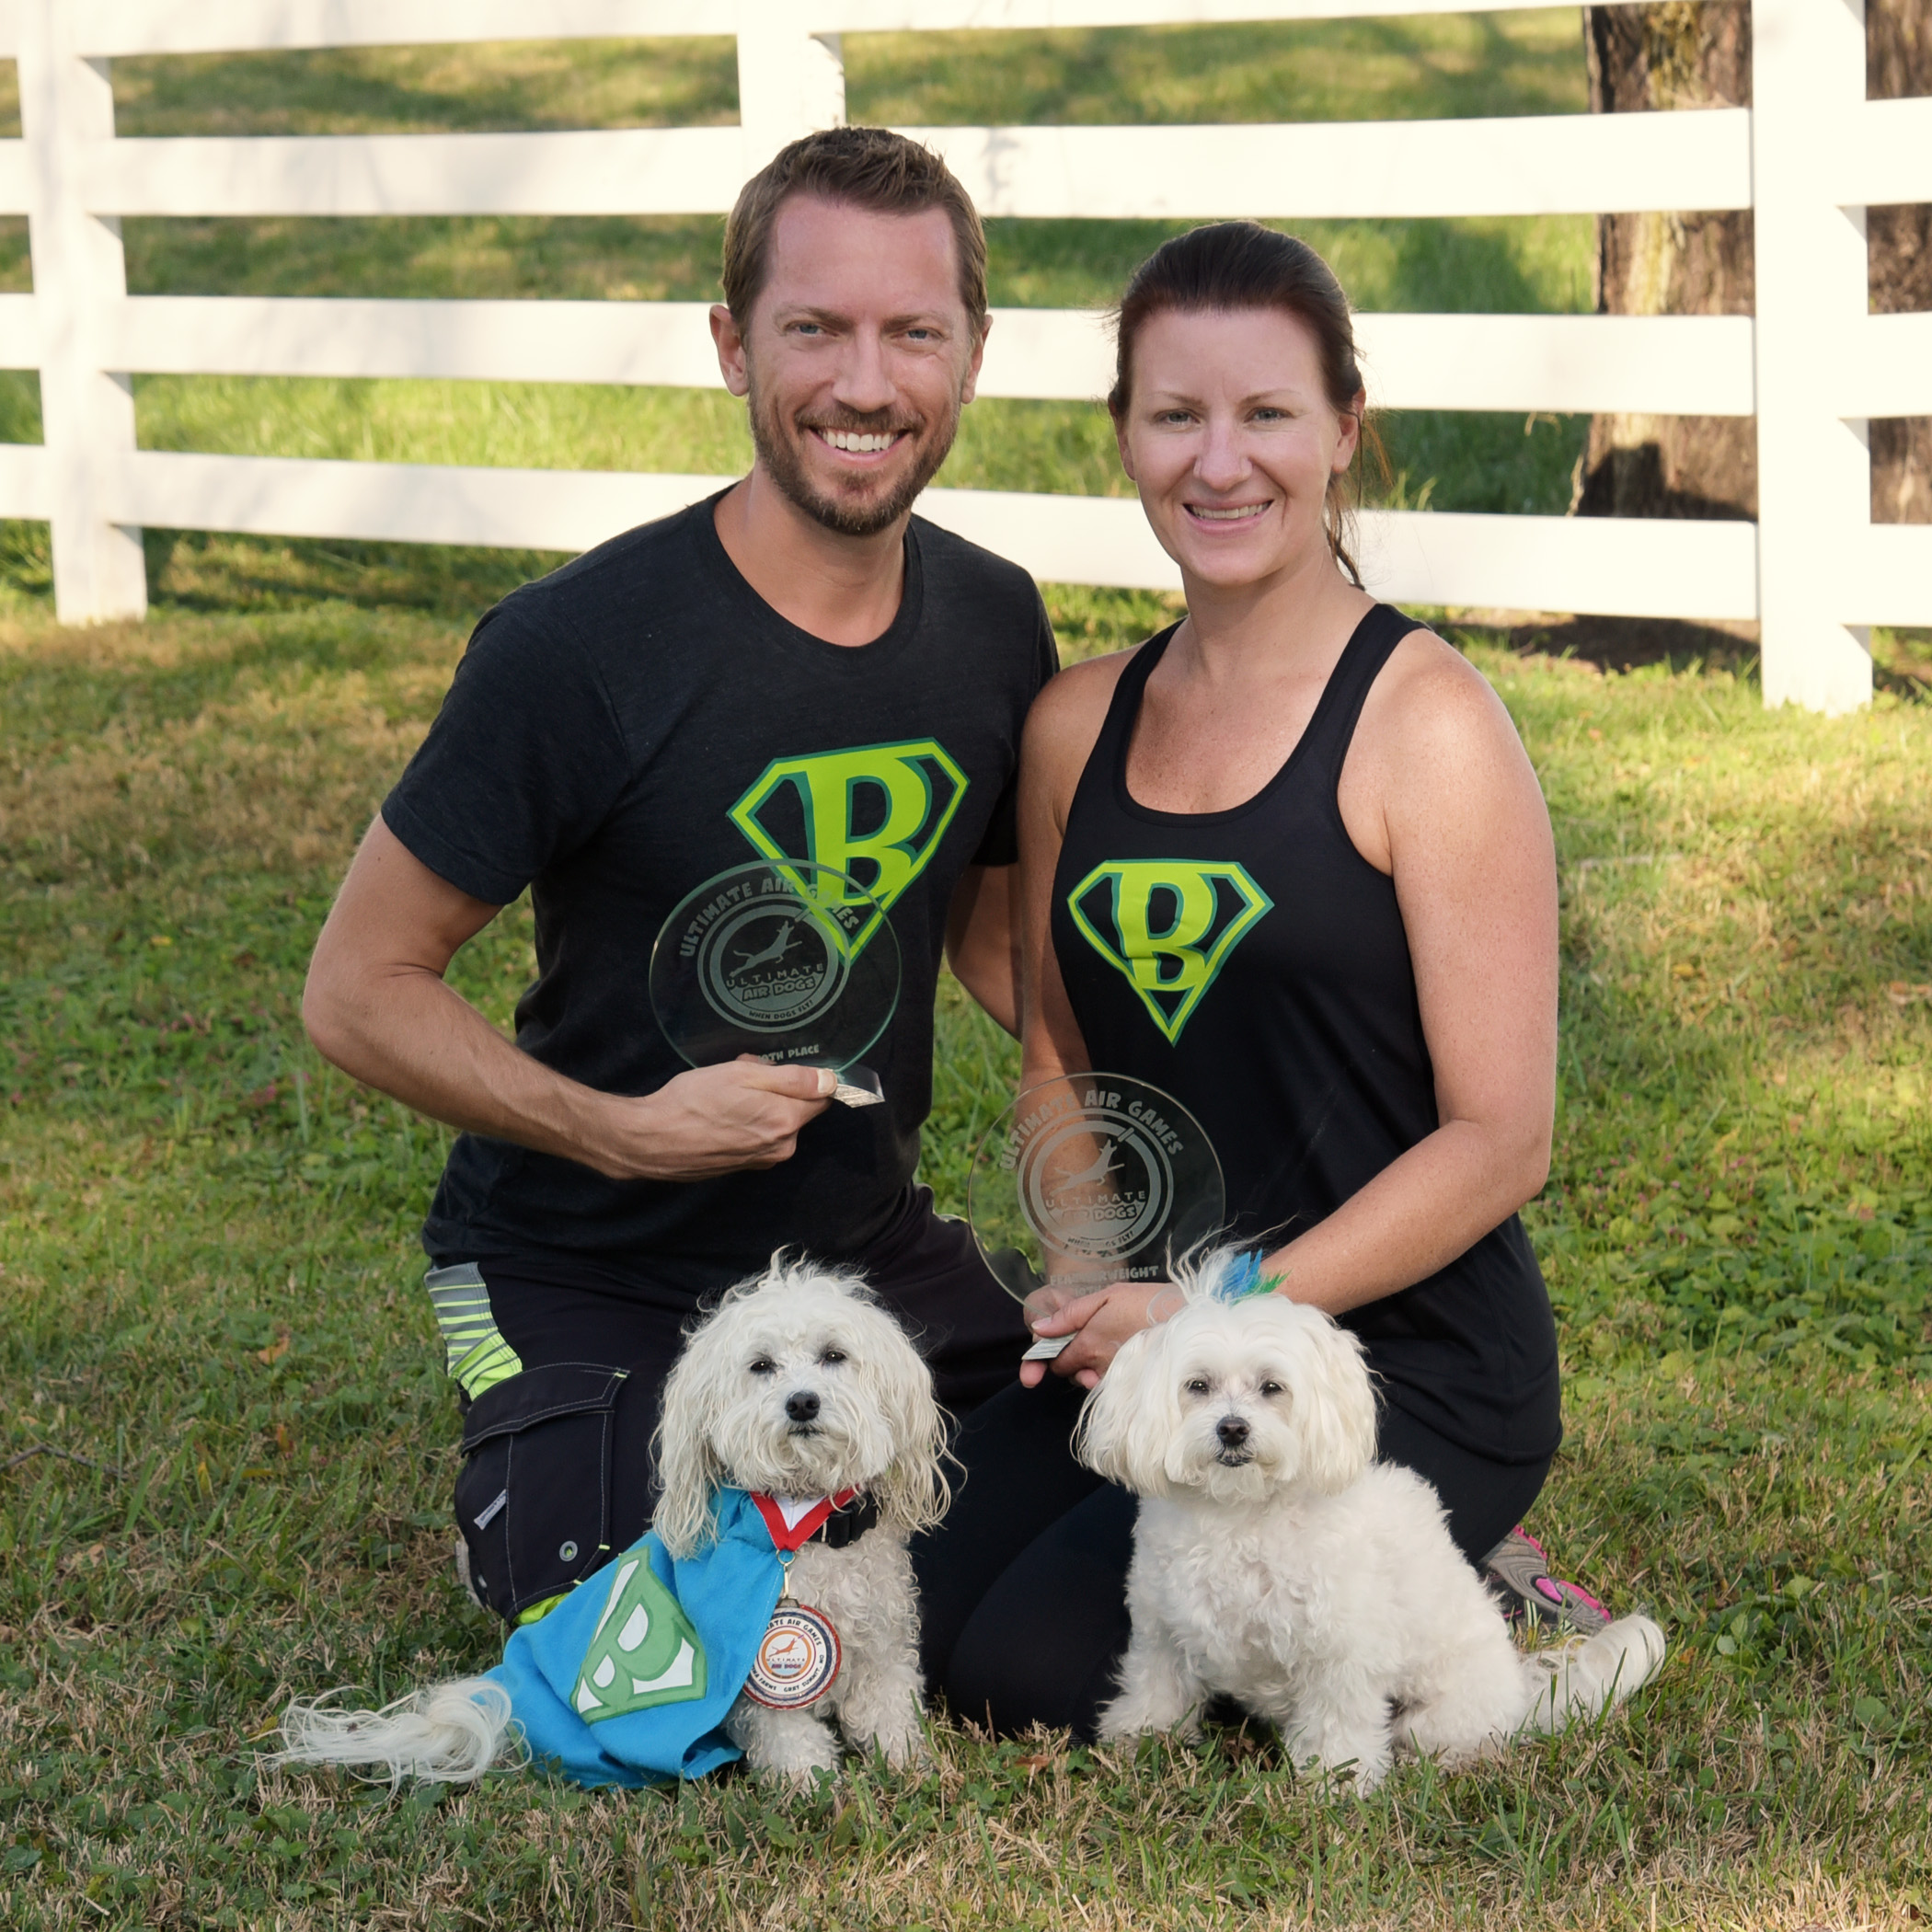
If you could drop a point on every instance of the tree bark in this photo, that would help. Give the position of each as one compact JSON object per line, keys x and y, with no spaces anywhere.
{"x":1681,"y":54}
{"x":1676,"y":54}
{"x":1898,"y":62}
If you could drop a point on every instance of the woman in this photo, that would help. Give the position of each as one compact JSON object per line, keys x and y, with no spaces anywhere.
{"x":1289,"y":862}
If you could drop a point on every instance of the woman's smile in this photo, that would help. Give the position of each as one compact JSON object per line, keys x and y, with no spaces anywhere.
{"x":1226,"y":512}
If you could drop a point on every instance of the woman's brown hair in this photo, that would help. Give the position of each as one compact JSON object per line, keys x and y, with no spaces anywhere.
{"x":1240,"y":265}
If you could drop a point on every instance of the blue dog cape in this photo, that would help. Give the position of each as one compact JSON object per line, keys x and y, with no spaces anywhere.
{"x":629,"y":1680}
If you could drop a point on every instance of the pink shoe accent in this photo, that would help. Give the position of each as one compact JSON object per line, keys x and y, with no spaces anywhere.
{"x":1570,"y":1602}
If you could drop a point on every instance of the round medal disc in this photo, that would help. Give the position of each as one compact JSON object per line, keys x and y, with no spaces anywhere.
{"x":798,"y":1658}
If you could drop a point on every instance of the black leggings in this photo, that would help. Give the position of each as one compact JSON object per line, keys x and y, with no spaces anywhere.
{"x":1023,"y":1588}
{"x":558,"y":1469}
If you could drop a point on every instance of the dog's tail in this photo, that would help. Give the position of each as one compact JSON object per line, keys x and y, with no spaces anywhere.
{"x":449,"y":1734}
{"x":1581,"y":1681}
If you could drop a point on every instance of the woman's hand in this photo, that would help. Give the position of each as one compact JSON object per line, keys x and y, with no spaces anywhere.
{"x":1100,"y":1324}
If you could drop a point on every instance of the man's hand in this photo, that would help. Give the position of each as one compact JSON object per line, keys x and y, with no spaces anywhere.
{"x":1100,"y":1323}
{"x":716,"y":1120}
{"x":376,"y":1004}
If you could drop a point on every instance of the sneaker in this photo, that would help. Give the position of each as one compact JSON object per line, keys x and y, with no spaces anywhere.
{"x":1518,"y":1571}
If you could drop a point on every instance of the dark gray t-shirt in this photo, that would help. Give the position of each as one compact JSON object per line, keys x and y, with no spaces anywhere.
{"x":642,"y":719}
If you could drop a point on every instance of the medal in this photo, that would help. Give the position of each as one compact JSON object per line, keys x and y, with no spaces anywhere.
{"x":798,"y":1658}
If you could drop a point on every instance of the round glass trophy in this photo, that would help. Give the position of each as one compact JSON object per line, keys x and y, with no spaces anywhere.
{"x":793,"y":962}
{"x":1086,"y":1180}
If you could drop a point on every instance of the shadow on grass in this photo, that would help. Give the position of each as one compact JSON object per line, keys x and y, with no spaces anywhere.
{"x":1629,"y":643}
{"x":1901,"y":658}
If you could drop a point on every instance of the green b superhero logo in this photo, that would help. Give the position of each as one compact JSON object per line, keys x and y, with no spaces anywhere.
{"x":1169,"y":925}
{"x":876,"y":812}
{"x":644,"y":1650}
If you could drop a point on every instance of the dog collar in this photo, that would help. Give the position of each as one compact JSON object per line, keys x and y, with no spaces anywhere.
{"x":836,"y":1521}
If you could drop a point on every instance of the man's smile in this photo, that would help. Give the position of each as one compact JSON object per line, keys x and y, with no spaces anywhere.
{"x":859,"y":442}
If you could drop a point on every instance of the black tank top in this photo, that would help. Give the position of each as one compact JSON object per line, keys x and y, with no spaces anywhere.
{"x":1253,"y":964}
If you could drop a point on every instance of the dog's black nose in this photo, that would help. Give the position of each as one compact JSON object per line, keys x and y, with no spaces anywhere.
{"x":1231,"y":1431}
{"x":802,"y":1406}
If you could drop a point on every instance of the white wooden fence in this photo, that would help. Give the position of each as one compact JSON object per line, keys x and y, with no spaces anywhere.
{"x":1811,"y":365}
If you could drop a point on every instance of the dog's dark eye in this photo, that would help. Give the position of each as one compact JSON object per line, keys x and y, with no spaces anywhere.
{"x":1197,"y":1386}
{"x":764,"y":1365}
{"x":1270,"y":1388}
{"x":832,"y":1358}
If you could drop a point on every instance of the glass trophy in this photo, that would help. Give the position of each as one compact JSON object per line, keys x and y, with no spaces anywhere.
{"x":1086,"y":1180}
{"x":792,"y":961}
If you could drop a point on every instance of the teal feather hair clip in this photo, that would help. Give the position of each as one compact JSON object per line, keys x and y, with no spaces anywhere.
{"x":1244,"y":1278}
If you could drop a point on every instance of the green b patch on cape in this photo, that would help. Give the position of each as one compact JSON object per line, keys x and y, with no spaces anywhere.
{"x":643,"y":1653}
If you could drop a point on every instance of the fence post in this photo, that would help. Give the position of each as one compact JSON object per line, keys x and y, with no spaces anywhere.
{"x":791,"y":82}
{"x":1814,"y":466}
{"x":87,"y":415}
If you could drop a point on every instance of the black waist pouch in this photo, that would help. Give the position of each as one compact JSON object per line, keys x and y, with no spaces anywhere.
{"x":534,"y":1495}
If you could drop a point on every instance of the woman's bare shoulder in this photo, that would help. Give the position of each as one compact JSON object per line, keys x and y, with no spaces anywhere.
{"x":1071,"y":706}
{"x":1082,"y":688}
{"x":1431,"y":700}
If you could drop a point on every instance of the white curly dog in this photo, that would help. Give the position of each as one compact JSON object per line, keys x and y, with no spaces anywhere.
{"x":1276,"y":1562}
{"x":805,"y":1340}
{"x":798,"y":1384}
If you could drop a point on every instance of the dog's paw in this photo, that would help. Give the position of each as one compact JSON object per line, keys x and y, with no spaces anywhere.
{"x":1129,"y":1729}
{"x":796,"y":1773}
{"x":903,"y":1750}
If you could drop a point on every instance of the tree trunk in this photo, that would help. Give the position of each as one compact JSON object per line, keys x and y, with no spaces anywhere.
{"x":1898,"y":62}
{"x":1676,"y":54}
{"x":1682,"y":54}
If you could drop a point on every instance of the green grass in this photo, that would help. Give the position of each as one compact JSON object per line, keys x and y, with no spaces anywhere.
{"x":208,"y":1270}
{"x":1420,"y":68}
{"x":508,"y":87}
{"x":209,"y":1274}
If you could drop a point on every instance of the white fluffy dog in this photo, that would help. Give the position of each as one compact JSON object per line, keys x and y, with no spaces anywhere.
{"x":798,"y":1385}
{"x":1277,"y":1563}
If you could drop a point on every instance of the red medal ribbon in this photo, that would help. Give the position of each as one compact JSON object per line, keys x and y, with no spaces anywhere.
{"x":789,"y":1536}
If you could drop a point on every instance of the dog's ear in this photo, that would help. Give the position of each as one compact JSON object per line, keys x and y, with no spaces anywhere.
{"x":913,"y":1494}
{"x":689,"y":1472}
{"x":1129,"y":1421}
{"x":1336,"y":1405}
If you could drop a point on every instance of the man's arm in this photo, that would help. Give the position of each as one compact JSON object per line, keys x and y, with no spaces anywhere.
{"x":377,"y":1006}
{"x":982,"y":941}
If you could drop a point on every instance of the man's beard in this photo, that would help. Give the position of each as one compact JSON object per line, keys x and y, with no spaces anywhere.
{"x":864,"y":516}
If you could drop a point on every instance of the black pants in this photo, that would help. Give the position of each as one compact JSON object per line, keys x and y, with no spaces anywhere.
{"x":1023,"y":1588}
{"x":557,"y":1473}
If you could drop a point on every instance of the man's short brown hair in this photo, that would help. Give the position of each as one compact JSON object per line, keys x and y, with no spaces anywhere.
{"x":869,"y":167}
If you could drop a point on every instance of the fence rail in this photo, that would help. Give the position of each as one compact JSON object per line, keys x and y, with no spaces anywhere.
{"x":1657,"y":365}
{"x":1811,"y":365}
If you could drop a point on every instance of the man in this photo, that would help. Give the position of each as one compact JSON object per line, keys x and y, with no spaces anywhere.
{"x":796,"y":668}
